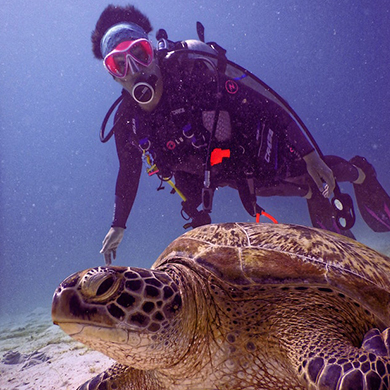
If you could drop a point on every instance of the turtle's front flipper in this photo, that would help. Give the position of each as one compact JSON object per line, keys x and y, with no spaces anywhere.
{"x":117,"y":377}
{"x":347,"y":367}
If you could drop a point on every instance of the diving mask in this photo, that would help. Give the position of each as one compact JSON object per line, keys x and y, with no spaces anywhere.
{"x":128,"y":55}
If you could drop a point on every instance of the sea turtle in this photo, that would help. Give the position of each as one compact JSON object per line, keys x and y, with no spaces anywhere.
{"x":238,"y":306}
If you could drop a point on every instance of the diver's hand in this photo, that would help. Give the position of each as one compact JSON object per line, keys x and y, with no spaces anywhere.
{"x":320,"y":173}
{"x":111,"y":243}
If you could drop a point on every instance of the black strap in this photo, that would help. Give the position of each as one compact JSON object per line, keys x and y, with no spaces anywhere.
{"x":106,"y":138}
{"x":208,"y":191}
{"x":247,"y":192}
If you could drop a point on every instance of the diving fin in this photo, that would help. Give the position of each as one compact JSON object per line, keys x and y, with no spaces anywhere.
{"x":372,"y":199}
{"x":323,"y":216}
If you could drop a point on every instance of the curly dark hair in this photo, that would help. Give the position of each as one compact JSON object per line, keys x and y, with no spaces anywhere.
{"x":113,"y":15}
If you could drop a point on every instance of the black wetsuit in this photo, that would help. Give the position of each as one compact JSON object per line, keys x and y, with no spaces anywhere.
{"x":263,"y":140}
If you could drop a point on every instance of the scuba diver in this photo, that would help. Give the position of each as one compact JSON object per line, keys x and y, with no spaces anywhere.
{"x":201,"y":122}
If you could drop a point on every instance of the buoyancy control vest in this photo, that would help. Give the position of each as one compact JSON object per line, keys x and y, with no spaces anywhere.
{"x":230,"y":77}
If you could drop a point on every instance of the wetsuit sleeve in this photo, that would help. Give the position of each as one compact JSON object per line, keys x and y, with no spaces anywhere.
{"x":130,"y":165}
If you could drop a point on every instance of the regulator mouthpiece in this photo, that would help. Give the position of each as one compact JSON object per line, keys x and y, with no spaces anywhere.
{"x":143,"y":91}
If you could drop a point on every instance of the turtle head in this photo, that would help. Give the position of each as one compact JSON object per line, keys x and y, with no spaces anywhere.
{"x":124,"y":312}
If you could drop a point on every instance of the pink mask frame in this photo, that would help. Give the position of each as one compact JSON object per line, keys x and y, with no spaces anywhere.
{"x":128,"y":55}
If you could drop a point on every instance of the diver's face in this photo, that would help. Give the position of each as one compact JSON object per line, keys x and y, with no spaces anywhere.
{"x":132,"y":64}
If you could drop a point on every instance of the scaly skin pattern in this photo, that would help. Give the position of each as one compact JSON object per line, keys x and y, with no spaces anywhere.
{"x":238,"y":306}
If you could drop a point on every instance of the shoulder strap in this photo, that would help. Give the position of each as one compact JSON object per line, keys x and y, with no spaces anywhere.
{"x":105,"y":138}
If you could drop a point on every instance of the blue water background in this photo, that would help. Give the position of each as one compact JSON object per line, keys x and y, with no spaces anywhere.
{"x":329,"y":59}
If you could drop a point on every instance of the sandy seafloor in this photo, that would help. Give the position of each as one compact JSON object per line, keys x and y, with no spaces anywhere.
{"x":43,"y":357}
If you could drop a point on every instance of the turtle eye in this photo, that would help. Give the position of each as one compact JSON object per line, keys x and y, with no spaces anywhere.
{"x":99,"y":284}
{"x":105,"y":286}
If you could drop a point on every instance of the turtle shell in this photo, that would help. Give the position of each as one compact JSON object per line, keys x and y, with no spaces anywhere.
{"x":247,"y":255}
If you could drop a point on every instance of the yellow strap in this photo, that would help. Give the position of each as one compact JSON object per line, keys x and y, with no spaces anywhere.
{"x":172,"y":184}
{"x":153,"y":168}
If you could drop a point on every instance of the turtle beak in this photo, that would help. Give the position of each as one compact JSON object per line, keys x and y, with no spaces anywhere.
{"x":62,"y":292}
